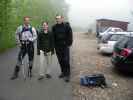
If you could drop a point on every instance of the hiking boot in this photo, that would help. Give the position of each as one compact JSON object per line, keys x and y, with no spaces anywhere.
{"x":14,"y":77}
{"x":48,"y":76}
{"x":41,"y":77}
{"x":67,"y":79}
{"x":61,"y":76}
{"x":15,"y":74}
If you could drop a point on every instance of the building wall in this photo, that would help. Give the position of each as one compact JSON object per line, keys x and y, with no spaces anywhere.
{"x":102,"y":25}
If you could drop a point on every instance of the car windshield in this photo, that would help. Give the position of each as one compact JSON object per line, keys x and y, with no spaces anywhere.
{"x":114,"y":30}
{"x":112,"y":37}
{"x":118,"y":30}
{"x":130,"y":43}
{"x":115,"y":37}
{"x":122,"y":42}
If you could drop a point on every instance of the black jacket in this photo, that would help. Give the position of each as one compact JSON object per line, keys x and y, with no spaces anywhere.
{"x":62,"y":35}
{"x":45,"y":42}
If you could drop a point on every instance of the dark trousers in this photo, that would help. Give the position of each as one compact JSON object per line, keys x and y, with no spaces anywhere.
{"x":26,"y":49}
{"x":63,"y":55}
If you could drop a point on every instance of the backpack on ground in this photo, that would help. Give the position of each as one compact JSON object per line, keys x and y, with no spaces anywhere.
{"x":93,"y":80}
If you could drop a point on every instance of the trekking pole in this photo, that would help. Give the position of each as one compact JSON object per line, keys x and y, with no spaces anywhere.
{"x":24,"y":65}
{"x":28,"y":71}
{"x":23,"y":69}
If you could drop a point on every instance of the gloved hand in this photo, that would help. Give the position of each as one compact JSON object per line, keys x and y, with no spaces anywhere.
{"x":19,"y":44}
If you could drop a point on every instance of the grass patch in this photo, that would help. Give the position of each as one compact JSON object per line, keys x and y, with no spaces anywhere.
{"x":6,"y":41}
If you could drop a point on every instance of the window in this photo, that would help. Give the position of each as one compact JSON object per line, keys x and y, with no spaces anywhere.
{"x":106,"y":37}
{"x":122,"y":42}
{"x":130,"y":43}
{"x":115,"y":37}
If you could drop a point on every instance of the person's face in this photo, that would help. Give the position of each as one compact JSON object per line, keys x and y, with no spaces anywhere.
{"x":45,"y":26}
{"x":26,"y":21}
{"x":59,"y":19}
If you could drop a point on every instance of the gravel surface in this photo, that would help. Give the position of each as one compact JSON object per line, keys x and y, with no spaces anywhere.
{"x":86,"y":60}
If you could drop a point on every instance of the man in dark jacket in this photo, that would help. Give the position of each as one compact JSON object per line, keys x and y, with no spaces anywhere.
{"x":45,"y":48}
{"x":63,"y":40}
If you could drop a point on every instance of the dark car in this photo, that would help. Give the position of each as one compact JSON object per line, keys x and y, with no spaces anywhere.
{"x":122,"y":57}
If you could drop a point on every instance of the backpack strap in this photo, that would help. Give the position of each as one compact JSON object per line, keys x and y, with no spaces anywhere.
{"x":23,"y":29}
{"x":66,"y":25}
{"x":30,"y":29}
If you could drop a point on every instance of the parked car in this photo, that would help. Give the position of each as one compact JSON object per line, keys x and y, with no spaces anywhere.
{"x":110,"y":30}
{"x":106,"y":44}
{"x":122,"y":57}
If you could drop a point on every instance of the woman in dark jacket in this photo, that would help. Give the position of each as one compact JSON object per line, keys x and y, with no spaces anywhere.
{"x":45,"y":48}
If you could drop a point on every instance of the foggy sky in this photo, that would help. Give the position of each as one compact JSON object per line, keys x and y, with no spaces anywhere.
{"x":83,"y":13}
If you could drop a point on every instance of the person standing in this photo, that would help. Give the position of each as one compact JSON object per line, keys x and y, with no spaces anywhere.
{"x":25,"y":37}
{"x":63,"y":39}
{"x":45,"y":48}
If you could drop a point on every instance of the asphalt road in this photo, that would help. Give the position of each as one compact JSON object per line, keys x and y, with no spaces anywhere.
{"x":31,"y":89}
